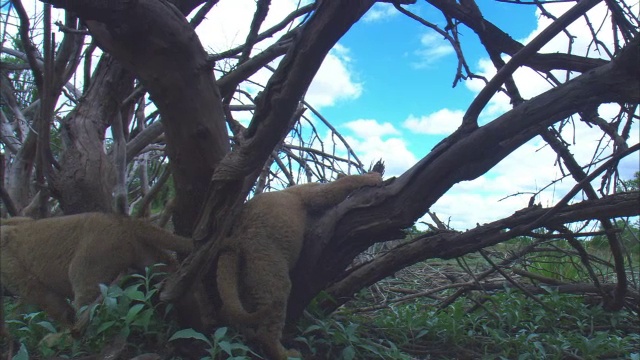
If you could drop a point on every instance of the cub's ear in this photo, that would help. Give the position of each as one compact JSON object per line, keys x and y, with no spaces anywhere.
{"x":378,"y":167}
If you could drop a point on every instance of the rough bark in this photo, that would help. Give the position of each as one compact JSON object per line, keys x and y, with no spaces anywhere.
{"x":448,"y":245}
{"x":86,"y":177}
{"x":154,"y":40}
{"x":504,"y":43}
{"x":19,"y":183}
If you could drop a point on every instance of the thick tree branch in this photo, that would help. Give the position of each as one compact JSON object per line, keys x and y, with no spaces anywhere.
{"x":380,"y":214}
{"x":30,"y":49}
{"x":448,"y":245}
{"x":506,"y":44}
{"x":230,"y":81}
{"x":87,"y":175}
{"x":519,"y":58}
{"x":262,"y":9}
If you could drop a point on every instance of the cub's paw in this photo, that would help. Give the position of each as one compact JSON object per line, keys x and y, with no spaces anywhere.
{"x":293,"y":354}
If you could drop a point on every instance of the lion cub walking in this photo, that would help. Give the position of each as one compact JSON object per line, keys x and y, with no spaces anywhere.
{"x":255,"y":260}
{"x":47,"y":261}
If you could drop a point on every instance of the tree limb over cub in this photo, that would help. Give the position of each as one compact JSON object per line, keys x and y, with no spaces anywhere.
{"x":47,"y":261}
{"x":256,"y":258}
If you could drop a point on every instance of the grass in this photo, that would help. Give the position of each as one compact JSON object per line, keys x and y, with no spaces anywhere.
{"x":508,"y":325}
{"x":503,"y":324}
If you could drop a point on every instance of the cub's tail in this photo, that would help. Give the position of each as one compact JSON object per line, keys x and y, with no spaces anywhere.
{"x":160,"y":238}
{"x":16,"y":220}
{"x":228,"y":279}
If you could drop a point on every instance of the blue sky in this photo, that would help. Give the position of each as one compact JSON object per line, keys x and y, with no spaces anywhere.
{"x":387,"y":87}
{"x":403,"y":76}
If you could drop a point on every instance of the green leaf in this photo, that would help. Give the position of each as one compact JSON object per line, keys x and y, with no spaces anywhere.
{"x":349,"y":353}
{"x":133,"y":293}
{"x":189,"y":334}
{"x":105,"y":326}
{"x":226,"y":347}
{"x":311,"y":328}
{"x":133,"y":312}
{"x":104,"y":290}
{"x":220,"y":333}
{"x":22,"y":353}
{"x":144,"y":319}
{"x":47,"y":325}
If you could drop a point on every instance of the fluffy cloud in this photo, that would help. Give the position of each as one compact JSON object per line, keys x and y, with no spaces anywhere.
{"x":380,"y":12}
{"x":393,"y":151}
{"x":369,"y":141}
{"x":434,"y":47}
{"x":334,"y":80}
{"x":366,"y":128}
{"x":581,"y":41}
{"x":504,"y":189}
{"x":227,"y":26}
{"x":508,"y":186}
{"x":441,"y":122}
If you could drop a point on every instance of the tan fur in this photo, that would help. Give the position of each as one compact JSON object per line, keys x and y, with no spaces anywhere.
{"x":255,"y":260}
{"x":47,"y":261}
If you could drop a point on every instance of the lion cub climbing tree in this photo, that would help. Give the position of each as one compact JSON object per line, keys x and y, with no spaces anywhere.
{"x":265,"y":243}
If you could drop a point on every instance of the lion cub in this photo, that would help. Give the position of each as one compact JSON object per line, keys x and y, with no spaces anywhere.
{"x":255,"y":260}
{"x":47,"y":261}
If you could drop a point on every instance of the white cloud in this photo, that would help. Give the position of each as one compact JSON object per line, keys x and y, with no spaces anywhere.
{"x":463,"y":210}
{"x":529,"y":82}
{"x":227,"y":26}
{"x":581,"y":43}
{"x":366,"y":128}
{"x":533,"y":166}
{"x":334,"y":80}
{"x":392,"y":151}
{"x":524,"y":172}
{"x":380,"y":12}
{"x":487,"y":198}
{"x":434,"y":47}
{"x":369,"y":143}
{"x":441,"y":122}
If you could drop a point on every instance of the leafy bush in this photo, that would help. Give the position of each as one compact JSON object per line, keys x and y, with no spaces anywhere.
{"x":507,"y":325}
{"x":222,"y":344}
{"x":501,"y":325}
{"x":127,"y":312}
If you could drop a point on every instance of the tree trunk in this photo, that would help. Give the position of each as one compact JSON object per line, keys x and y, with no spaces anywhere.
{"x":154,"y":40}
{"x":86,"y":177}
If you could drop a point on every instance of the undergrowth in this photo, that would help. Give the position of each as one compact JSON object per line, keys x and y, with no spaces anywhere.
{"x":504,"y":324}
{"x":508,"y":325}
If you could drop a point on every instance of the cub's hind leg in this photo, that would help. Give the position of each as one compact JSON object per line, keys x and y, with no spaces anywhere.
{"x":20,"y":281}
{"x":91,"y":267}
{"x":267,"y":285}
{"x":269,"y":333}
{"x":54,"y":304}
